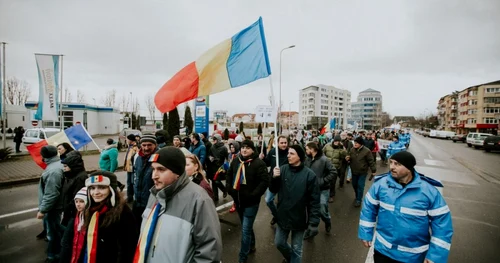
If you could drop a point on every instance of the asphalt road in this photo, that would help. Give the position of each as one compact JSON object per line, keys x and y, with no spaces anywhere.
{"x":472,"y":184}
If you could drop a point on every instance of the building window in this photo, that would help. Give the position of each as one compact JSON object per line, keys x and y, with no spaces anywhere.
{"x":492,"y":100}
{"x":492,"y":90}
{"x":472,"y":102}
{"x":491,"y":110}
{"x":471,"y":121}
{"x":490,"y":120}
{"x":473,"y":93}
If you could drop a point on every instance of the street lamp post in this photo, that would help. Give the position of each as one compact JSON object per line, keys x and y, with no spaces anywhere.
{"x":281,"y":56}
{"x":289,"y":115}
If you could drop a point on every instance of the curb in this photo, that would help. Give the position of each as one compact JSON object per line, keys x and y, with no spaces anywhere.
{"x":25,"y":181}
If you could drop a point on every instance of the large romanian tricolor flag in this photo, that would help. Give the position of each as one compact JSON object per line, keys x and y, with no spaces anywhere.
{"x":77,"y":136}
{"x":232,"y":63}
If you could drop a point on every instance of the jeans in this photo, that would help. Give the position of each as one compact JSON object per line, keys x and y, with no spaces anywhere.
{"x":293,"y":253}
{"x":323,"y":202}
{"x":130,"y":186}
{"x":382,"y":154}
{"x":247,"y":217}
{"x":358,"y":183}
{"x":270,"y":202}
{"x":52,"y":223}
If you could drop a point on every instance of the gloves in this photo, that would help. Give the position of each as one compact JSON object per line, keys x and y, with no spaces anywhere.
{"x":311,"y":232}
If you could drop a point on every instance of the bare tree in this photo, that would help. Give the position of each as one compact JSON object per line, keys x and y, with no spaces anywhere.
{"x":17,"y":91}
{"x":124,"y":103}
{"x":110,"y":99}
{"x":67,"y":95}
{"x":80,"y":97}
{"x":150,"y":105}
{"x":135,"y":106}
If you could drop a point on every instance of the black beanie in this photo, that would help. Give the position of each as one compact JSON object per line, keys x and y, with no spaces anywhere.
{"x":249,"y":144}
{"x":360,"y":140}
{"x":337,"y":138}
{"x":405,"y":158}
{"x":300,"y":151}
{"x":172,"y":158}
{"x":48,"y":151}
{"x":131,"y":137}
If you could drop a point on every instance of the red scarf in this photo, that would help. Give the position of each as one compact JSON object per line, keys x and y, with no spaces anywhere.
{"x":78,"y":239}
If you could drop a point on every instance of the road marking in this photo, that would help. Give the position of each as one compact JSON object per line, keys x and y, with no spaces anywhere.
{"x":475,"y":221}
{"x":434,"y":162}
{"x":19,"y":212}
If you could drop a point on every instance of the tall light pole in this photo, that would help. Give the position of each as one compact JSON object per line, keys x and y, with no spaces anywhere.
{"x":4,"y":96}
{"x":279,"y":102}
{"x":289,"y":115}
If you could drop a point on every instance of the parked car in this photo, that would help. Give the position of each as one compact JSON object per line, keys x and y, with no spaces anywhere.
{"x":35,"y":135}
{"x":124,"y":133}
{"x":476,"y":139}
{"x":445,"y":134}
{"x":492,"y":143}
{"x":459,"y":138}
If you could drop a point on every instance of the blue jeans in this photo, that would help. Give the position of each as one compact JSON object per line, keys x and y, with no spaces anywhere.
{"x":270,"y":202}
{"x":358,"y":183}
{"x":130,"y":186}
{"x":293,"y":253}
{"x":52,"y":223}
{"x":323,"y":201}
{"x":247,"y":218}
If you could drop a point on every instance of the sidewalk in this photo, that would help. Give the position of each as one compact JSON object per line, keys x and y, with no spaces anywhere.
{"x":18,"y":172}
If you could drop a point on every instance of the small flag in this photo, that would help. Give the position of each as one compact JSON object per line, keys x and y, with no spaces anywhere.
{"x":232,"y":63}
{"x":77,"y":136}
{"x":153,"y":158}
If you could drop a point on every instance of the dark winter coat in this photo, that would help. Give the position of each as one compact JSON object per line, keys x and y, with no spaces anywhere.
{"x":143,"y":180}
{"x":257,"y":181}
{"x":361,"y":160}
{"x":199,"y":150}
{"x":370,"y":144}
{"x":298,"y":197}
{"x":271,"y":159}
{"x":219,"y":152}
{"x":19,"y":133}
{"x":117,"y":242}
{"x":74,"y":180}
{"x":323,"y":168}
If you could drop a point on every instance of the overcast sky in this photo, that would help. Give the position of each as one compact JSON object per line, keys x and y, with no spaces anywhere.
{"x":414,"y":52}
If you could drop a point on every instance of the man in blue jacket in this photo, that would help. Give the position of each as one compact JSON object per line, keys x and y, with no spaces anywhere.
{"x":198,"y":147}
{"x":395,"y":146}
{"x":404,"y":206}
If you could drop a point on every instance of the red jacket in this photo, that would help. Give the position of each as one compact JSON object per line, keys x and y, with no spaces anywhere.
{"x":377,"y":148}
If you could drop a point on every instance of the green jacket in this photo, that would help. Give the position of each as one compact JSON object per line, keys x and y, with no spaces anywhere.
{"x":50,"y":186}
{"x":109,"y":158}
{"x":335,"y":155}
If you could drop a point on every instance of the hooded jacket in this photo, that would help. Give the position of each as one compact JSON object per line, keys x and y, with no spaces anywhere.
{"x":50,"y":186}
{"x":403,"y":217}
{"x":74,"y":180}
{"x":323,"y":168}
{"x":298,"y":197}
{"x":188,"y":217}
{"x":257,"y":181}
{"x":336,"y":154}
{"x":361,"y":160}
{"x":109,"y":158}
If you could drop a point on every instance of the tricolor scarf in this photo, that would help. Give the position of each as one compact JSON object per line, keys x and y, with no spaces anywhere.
{"x":240,"y":177}
{"x":92,"y":235}
{"x":146,"y":238}
{"x":222,"y":169}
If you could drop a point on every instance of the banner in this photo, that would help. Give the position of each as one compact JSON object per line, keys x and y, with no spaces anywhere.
{"x":48,"y":80}
{"x":265,"y":113}
{"x":201,"y":111}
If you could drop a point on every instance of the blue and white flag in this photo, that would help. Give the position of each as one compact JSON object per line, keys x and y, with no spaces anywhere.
{"x":48,"y":79}
{"x":332,"y":124}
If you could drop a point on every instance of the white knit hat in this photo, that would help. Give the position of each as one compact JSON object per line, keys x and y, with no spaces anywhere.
{"x":82,"y":194}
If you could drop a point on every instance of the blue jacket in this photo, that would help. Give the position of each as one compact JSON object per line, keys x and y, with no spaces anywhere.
{"x":199,"y":150}
{"x":395,"y":147}
{"x":143,"y":180}
{"x":50,"y":186}
{"x":404,"y":138}
{"x":403,"y":217}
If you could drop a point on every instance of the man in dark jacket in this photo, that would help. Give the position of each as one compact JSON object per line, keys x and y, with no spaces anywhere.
{"x":298,"y":204}
{"x":369,"y":142}
{"x":50,"y":202}
{"x":18,"y":137}
{"x":325,"y":174}
{"x":247,"y":180}
{"x":143,"y":176}
{"x":361,"y":159}
{"x":216,"y":158}
{"x":74,"y":179}
{"x":198,"y":148}
{"x":270,"y":160}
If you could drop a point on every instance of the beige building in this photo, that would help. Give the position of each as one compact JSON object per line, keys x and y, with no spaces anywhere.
{"x":474,"y":109}
{"x":289,"y":119}
{"x":243,"y":117}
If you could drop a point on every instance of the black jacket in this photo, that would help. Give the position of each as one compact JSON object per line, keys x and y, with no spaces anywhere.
{"x":74,"y":180}
{"x":271,"y":159}
{"x":370,"y":144}
{"x":323,"y":168}
{"x":361,"y":161}
{"x":298,"y":197}
{"x":219,"y":152}
{"x":257,"y":181}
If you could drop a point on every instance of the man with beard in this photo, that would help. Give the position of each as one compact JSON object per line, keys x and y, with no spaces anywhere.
{"x":271,"y":161}
{"x":143,"y":171}
{"x":247,"y":180}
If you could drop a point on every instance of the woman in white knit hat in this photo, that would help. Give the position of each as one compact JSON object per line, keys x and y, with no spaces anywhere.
{"x":74,"y":236}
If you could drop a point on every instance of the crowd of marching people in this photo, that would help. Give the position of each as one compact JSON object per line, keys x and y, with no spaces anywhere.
{"x":168,"y":213}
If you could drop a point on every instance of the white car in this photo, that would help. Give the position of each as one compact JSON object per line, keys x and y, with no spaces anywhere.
{"x":32,"y":136}
{"x":476,"y":139}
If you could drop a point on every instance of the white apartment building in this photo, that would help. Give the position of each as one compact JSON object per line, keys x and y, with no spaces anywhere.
{"x":321,"y":103}
{"x":367,"y":110}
